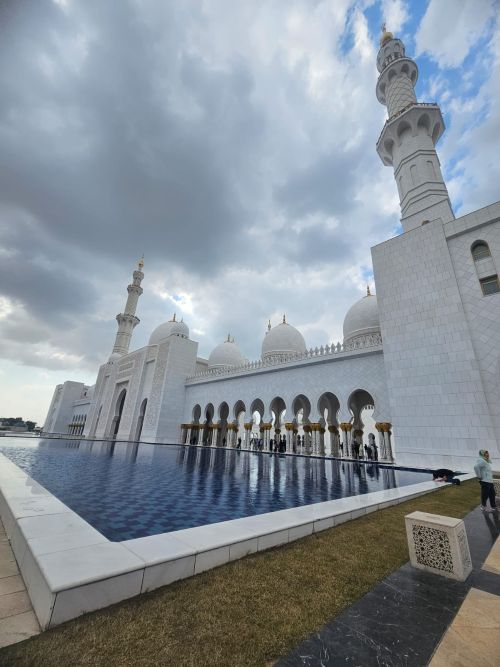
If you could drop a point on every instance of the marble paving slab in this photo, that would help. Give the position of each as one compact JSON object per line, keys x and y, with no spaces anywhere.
{"x":474,"y":636}
{"x":17,"y":619}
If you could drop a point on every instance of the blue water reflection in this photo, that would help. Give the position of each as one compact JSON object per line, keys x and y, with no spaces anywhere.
{"x":132,"y":490}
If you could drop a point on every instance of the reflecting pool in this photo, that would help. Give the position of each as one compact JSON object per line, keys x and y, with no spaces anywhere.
{"x":130,"y":490}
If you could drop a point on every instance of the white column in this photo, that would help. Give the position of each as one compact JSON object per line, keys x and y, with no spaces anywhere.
{"x":248,"y":432}
{"x":387,"y":440}
{"x":381,"y":442}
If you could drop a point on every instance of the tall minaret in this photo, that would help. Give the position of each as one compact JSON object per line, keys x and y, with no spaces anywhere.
{"x":409,"y":136}
{"x":127,"y":320}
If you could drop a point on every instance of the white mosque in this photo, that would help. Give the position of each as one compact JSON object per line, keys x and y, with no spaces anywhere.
{"x":422,"y":358}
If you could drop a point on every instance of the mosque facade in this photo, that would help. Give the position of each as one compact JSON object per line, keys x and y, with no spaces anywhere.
{"x":422,"y":355}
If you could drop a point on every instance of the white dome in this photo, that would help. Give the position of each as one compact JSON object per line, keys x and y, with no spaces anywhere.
{"x":362,"y":318}
{"x":171,"y":328}
{"x":179,"y":329}
{"x":283,"y":340}
{"x":227,"y":354}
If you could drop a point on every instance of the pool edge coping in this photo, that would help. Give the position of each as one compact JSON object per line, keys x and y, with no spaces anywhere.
{"x":100,"y":572}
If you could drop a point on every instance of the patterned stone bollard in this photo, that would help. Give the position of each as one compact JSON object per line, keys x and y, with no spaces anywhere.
{"x":438,"y":544}
{"x":496,"y":484}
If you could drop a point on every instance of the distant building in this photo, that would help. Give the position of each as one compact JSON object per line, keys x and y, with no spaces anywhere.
{"x":423,"y":353}
{"x":19,"y":427}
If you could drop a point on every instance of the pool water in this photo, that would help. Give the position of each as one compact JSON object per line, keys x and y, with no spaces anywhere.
{"x":130,"y":490}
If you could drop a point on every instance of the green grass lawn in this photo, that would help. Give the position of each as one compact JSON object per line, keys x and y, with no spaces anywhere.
{"x":249,"y":612}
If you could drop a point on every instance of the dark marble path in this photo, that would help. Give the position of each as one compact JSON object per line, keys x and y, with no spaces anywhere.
{"x":401,"y":621}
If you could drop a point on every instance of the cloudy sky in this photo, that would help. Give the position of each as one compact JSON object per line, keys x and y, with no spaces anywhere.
{"x":233,"y":143}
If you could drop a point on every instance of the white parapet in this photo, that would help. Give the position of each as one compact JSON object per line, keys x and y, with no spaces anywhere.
{"x":438,"y":544}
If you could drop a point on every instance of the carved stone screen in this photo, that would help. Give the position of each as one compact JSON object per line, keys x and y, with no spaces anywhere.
{"x":438,"y":544}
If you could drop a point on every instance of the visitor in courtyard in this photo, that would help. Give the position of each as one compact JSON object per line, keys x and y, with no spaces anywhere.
{"x":238,"y":446}
{"x":375,"y":451}
{"x":341,"y":446}
{"x":445,"y":475}
{"x":484,"y":473}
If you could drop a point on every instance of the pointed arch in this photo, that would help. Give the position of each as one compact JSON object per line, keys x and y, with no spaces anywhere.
{"x":140,"y":420}
{"x":120,"y":401}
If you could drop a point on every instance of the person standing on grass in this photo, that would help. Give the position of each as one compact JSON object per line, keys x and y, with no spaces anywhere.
{"x":484,"y":473}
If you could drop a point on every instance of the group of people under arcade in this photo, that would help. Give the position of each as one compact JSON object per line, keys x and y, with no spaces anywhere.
{"x":369,"y":452}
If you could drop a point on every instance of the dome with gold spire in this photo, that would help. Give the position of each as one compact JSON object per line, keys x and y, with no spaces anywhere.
{"x":386,"y":36}
{"x":282,"y":340}
{"x":362,"y":318}
{"x":171,"y":328}
{"x":226,"y":355}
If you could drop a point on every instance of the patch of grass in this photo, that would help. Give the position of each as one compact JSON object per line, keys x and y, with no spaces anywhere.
{"x":249,"y":612}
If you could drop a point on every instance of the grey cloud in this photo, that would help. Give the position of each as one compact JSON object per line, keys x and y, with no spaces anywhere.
{"x":326,"y":187}
{"x":121,"y":158}
{"x":44,"y":290}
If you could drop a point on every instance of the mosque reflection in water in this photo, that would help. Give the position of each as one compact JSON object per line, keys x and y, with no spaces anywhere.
{"x":129,"y":490}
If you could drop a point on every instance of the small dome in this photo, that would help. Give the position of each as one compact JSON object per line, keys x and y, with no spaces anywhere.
{"x":386,"y":37}
{"x":282,"y":340}
{"x":171,"y":328}
{"x":226,"y":355}
{"x":362,"y":318}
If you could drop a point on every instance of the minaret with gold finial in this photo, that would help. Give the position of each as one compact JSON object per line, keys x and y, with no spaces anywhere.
{"x":127,"y":320}
{"x":409,"y":136}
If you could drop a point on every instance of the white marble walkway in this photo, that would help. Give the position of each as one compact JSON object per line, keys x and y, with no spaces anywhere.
{"x":17,"y":619}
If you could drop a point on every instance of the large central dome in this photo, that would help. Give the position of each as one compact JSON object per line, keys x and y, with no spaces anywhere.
{"x":282,"y":340}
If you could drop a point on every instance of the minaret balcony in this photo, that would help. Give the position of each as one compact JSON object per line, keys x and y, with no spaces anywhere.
{"x":126,"y":318}
{"x":416,"y":119}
